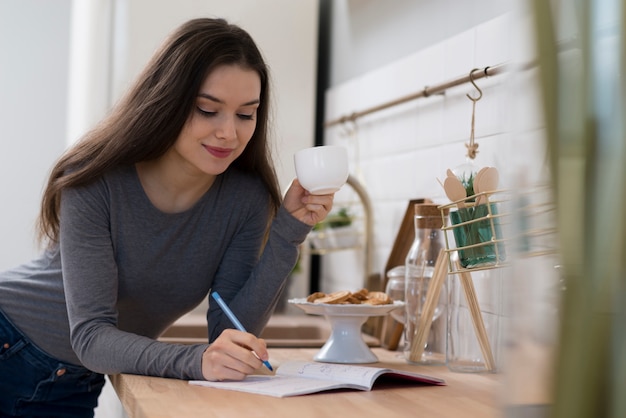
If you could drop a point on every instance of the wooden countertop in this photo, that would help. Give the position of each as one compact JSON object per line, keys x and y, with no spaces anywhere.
{"x":466,"y":395}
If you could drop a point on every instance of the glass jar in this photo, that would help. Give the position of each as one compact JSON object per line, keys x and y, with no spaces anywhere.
{"x":419,"y":269}
{"x":474,"y":319}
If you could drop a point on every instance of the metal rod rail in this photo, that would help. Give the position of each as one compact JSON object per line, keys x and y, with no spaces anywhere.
{"x":426,"y":92}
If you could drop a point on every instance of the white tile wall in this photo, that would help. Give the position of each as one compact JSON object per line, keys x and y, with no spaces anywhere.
{"x":399,"y":153}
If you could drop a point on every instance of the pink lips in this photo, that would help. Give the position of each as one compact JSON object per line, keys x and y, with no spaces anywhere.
{"x":218,"y":152}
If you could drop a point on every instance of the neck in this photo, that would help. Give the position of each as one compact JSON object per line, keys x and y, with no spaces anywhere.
{"x":170,"y":188}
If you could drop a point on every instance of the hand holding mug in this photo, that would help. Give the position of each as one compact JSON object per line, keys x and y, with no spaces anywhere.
{"x":322,"y":169}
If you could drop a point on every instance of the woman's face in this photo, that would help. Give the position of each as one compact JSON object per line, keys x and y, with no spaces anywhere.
{"x":222,"y":121}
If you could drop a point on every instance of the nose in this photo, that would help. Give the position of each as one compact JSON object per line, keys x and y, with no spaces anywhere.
{"x":226,"y":128}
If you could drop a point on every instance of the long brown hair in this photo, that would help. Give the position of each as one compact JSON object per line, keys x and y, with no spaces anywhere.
{"x":148,"y":120}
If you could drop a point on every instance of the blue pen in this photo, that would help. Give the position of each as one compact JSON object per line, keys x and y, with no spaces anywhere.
{"x":235,"y":322}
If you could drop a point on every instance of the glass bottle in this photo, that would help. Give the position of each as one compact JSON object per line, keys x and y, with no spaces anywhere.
{"x":419,"y":268}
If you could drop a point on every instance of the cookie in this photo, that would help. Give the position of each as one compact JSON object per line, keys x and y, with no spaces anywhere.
{"x":361,"y":294}
{"x":314,"y":296}
{"x":344,"y":297}
{"x":352,"y":300}
{"x":378,"y":298}
{"x":334,"y":298}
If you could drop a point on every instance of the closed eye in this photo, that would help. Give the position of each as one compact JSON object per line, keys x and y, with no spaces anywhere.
{"x":205,"y":112}
{"x":242,"y":116}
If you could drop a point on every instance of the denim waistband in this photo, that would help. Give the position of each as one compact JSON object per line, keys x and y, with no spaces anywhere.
{"x":13,"y":331}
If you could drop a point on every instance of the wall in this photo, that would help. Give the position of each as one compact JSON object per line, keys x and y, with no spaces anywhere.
{"x":367,"y":34}
{"x":399,"y":153}
{"x":34,"y":40}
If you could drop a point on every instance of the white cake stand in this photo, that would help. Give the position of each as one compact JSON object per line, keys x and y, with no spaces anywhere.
{"x":346,"y":344}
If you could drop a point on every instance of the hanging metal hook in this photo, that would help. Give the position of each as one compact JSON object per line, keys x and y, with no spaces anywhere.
{"x":472,"y":147}
{"x":480,"y":92}
{"x":349,"y":125}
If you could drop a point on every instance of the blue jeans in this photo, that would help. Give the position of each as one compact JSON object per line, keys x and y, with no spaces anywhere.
{"x":33,"y":384}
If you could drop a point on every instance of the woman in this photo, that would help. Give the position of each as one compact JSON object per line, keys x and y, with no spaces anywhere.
{"x":172,"y":195}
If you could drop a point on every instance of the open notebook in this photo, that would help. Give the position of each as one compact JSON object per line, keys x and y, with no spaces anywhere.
{"x":301,"y":378}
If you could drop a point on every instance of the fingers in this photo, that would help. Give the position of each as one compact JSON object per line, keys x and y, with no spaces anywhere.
{"x":306,"y":207}
{"x":232,"y":356}
{"x":313,"y":209}
{"x":318,"y":205}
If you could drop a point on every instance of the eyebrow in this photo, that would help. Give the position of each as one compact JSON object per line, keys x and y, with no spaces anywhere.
{"x":215,"y":99}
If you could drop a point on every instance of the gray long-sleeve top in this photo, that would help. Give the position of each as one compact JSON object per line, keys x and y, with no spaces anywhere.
{"x":124,"y":271}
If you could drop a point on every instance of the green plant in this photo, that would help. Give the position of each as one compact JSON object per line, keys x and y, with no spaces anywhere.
{"x":337,"y":220}
{"x":468,"y":184}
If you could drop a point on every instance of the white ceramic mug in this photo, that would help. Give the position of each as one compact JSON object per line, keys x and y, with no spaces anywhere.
{"x":322,"y":169}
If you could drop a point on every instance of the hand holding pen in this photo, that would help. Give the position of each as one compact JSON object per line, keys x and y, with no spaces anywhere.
{"x":236,"y":323}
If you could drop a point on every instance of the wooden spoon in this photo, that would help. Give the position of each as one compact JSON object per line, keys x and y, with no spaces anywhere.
{"x":454,"y":190}
{"x":477,"y":184}
{"x":449,"y":173}
{"x":488,"y":181}
{"x":478,"y":176}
